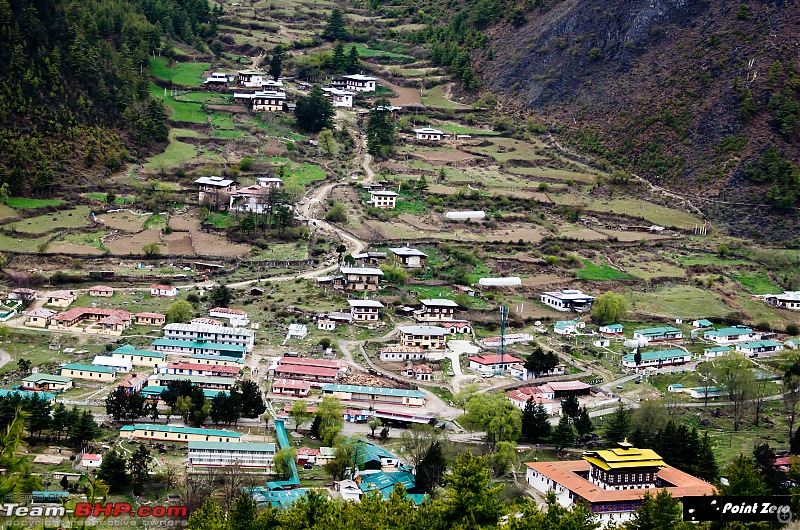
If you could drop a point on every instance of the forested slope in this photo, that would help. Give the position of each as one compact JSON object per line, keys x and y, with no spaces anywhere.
{"x":74,"y":99}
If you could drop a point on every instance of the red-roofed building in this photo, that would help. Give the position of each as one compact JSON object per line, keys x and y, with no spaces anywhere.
{"x":520,"y":397}
{"x":132,"y":383}
{"x":420,"y":372}
{"x":306,"y":455}
{"x":150,"y":319}
{"x":306,"y":361}
{"x":101,"y":290}
{"x":562,"y":389}
{"x":110,"y":320}
{"x":460,"y":326}
{"x":489,"y":364}
{"x":163,"y":290}
{"x":206,"y":320}
{"x":291,"y":387}
{"x":91,"y":460}
{"x":186,"y":368}
{"x":316,"y":375}
{"x":236,"y":317}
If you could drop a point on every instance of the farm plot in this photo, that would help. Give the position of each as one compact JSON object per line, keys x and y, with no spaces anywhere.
{"x":214,"y":245}
{"x":24,"y":203}
{"x":186,"y":74}
{"x":179,"y":243}
{"x":437,"y":97}
{"x":68,"y":247}
{"x":679,"y":301}
{"x":41,"y":224}
{"x":132,"y":244}
{"x":9,"y":244}
{"x":126,"y":221}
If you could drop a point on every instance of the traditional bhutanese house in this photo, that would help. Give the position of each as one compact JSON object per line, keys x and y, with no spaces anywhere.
{"x":150,"y":319}
{"x":175,"y":433}
{"x":787,"y":300}
{"x":358,"y":279}
{"x":716,"y":351}
{"x":339,"y":97}
{"x":489,"y":364}
{"x":251,"y":199}
{"x":211,"y":191}
{"x":262,"y":100}
{"x":731,"y":335}
{"x":189,"y":347}
{"x":759,"y":346}
{"x":291,"y":387}
{"x":408,"y":258}
{"x":39,"y":318}
{"x":611,"y":329}
{"x":211,"y":383}
{"x":661,"y":334}
{"x":133,"y":383}
{"x":186,"y":368}
{"x":383,"y":199}
{"x":431,"y":337}
{"x":568,"y":300}
{"x":270,"y":182}
{"x":437,"y":310}
{"x":46,"y":382}
{"x":520,"y":397}
{"x":87,"y":371}
{"x":365,"y":310}
{"x":116,"y":363}
{"x":420,"y":372}
{"x":657,"y":359}
{"x":163,"y":290}
{"x":138,"y":357}
{"x":371,"y":394}
{"x":613,"y":482}
{"x":61,"y":298}
{"x":246,"y":455}
{"x":360,"y":83}
{"x":101,"y":290}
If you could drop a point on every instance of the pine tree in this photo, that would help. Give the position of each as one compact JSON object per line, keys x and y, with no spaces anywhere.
{"x":276,"y":64}
{"x":571,"y":407}
{"x":618,"y":426}
{"x":138,"y":467}
{"x":535,"y":422}
{"x":314,"y":112}
{"x":583,"y":423}
{"x":353,"y":62}
{"x":381,"y":133}
{"x":431,"y":469}
{"x":114,"y":471}
{"x":564,"y":435}
{"x":336,"y":28}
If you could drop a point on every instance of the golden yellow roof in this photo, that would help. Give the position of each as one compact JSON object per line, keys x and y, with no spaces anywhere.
{"x":624,"y":458}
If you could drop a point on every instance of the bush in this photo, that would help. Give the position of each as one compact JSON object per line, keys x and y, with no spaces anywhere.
{"x":245,"y":164}
{"x":793,"y":329}
{"x":337,"y":213}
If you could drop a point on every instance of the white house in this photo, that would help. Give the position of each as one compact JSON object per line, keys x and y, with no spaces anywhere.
{"x":163,"y":290}
{"x":611,"y":329}
{"x":360,"y":83}
{"x":117,"y":363}
{"x":759,"y":346}
{"x":520,"y":397}
{"x":91,"y":460}
{"x":568,"y":327}
{"x":217,"y":78}
{"x":297,"y":331}
{"x":262,"y":100}
{"x":702,"y":324}
{"x":365,"y":310}
{"x":429,"y":134}
{"x":249,"y":78}
{"x":211,"y":189}
{"x":787,"y":300}
{"x":270,"y":182}
{"x":339,"y":97}
{"x":325,"y":324}
{"x":236,"y":317}
{"x":488,"y":364}
{"x":568,"y":300}
{"x":601,"y":343}
{"x":716,"y":351}
{"x":383,"y":198}
{"x":731,"y":335}
{"x":408,"y":258}
{"x":348,"y":490}
{"x":251,"y":199}
{"x":657,"y":359}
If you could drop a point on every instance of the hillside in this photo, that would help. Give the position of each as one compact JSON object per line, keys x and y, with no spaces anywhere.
{"x":688,"y":94}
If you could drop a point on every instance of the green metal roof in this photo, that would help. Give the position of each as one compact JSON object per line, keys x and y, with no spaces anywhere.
{"x":657,"y":331}
{"x":612,"y":326}
{"x":46,"y":378}
{"x":386,"y":481}
{"x":177,"y":343}
{"x":130,"y":350}
{"x":718,"y":349}
{"x":233,"y":446}
{"x":760,"y":344}
{"x":26,"y":394}
{"x":155,"y":390}
{"x":358,"y":389}
{"x":179,"y":429}
{"x":562,"y":324}
{"x":88,"y":368}
{"x":196,"y":379}
{"x":728,"y":332}
{"x":657,"y":355}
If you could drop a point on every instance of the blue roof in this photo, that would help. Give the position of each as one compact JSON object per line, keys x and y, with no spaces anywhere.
{"x":661,"y":355}
{"x":201,"y":345}
{"x":705,"y":323}
{"x":278,"y":498}
{"x":179,"y":429}
{"x":384,"y":482}
{"x":130,"y":350}
{"x":358,"y":389}
{"x":657,"y":331}
{"x":728,"y":332}
{"x":155,"y":390}
{"x":88,"y":368}
{"x":26,"y":394}
{"x":561,"y":324}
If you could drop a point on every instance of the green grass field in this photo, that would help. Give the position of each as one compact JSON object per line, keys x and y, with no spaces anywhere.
{"x":93,"y":239}
{"x":120,"y":200}
{"x":600,"y":272}
{"x":434,"y":97}
{"x":212,"y":98}
{"x":303,"y":173}
{"x":364,"y":51}
{"x":23,"y":203}
{"x":652,"y":213}
{"x":757,"y":283}
{"x":221,"y":220}
{"x":679,"y":301}
{"x":460,"y":129}
{"x":186,"y":74}
{"x":74,"y":218}
{"x":185,"y":111}
{"x":177,"y":153}
{"x":14,"y":244}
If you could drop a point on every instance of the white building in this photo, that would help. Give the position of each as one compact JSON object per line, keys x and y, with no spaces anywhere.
{"x":339,"y":97}
{"x":383,"y":198}
{"x":325,"y":324}
{"x":91,"y":460}
{"x":270,"y":182}
{"x":247,"y":455}
{"x":262,"y":100}
{"x":759,"y":346}
{"x":252,"y":199}
{"x":212,"y":190}
{"x":297,"y":331}
{"x":217,"y":78}
{"x":117,"y":363}
{"x":429,"y":134}
{"x":365,"y":310}
{"x":236,"y":317}
{"x":731,"y":335}
{"x":360,"y":83}
{"x":787,"y":300}
{"x":403,"y":353}
{"x":409,"y":258}
{"x":568,"y":327}
{"x":211,"y":333}
{"x":490,"y":364}
{"x":568,"y":300}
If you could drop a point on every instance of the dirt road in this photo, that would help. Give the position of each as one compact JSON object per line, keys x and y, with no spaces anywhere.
{"x":406,"y":97}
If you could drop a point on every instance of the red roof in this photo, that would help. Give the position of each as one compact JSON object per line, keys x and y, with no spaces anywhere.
{"x":291,"y":383}
{"x":204,"y":320}
{"x":162,"y":287}
{"x":101,"y":288}
{"x":228,"y":310}
{"x":304,"y":361}
{"x":559,"y":386}
{"x":495,"y":359}
{"x":150,"y":315}
{"x":314,"y":371}
{"x":204,"y":367}
{"x":91,"y":456}
{"x":782,"y":461}
{"x":132,"y":380}
{"x":307,"y":451}
{"x":77,"y":312}
{"x":519,"y":395}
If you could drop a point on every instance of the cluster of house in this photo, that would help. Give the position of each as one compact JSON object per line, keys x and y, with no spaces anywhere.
{"x":342,"y":90}
{"x":548,"y":395}
{"x":222,"y":193}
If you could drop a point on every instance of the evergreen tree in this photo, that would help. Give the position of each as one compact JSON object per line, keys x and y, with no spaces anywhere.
{"x":84,"y":429}
{"x":583,"y":423}
{"x":539,"y":362}
{"x":242,"y":515}
{"x":114,"y":471}
{"x":618,"y":426}
{"x":658,"y":513}
{"x":220,"y":296}
{"x":60,"y":419}
{"x":252,"y":401}
{"x":431,"y":469}
{"x":208,"y":517}
{"x":314,"y":112}
{"x":381,"y":133}
{"x":336,"y":27}
{"x":353,"y":62}
{"x":472,"y":502}
{"x":564,"y":434}
{"x":276,"y":64}
{"x":339,"y":61}
{"x":535,"y":422}
{"x":138,"y":467}
{"x":743,"y":479}
{"x":571,"y":407}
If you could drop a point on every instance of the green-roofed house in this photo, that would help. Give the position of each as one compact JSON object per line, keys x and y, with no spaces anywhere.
{"x":662,"y":334}
{"x":216,"y":360}
{"x":716,"y":351}
{"x":177,"y":433}
{"x":88,"y":371}
{"x":279,"y":498}
{"x":46,"y":382}
{"x":153,"y":392}
{"x":759,"y":346}
{"x":191,"y":347}
{"x":138,"y":357}
{"x":793,"y":343}
{"x":247,"y":455}
{"x":203,"y":381}
{"x":27,"y":394}
{"x":611,"y":329}
{"x":384,"y":484}
{"x":702,"y":324}
{"x":371,"y":394}
{"x":657,"y":359}
{"x":725,"y":336}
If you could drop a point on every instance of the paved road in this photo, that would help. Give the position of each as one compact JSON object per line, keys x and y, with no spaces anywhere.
{"x":454,"y":350}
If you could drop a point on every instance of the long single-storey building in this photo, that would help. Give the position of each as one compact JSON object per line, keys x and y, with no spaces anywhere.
{"x":291,"y":387}
{"x":657,"y":359}
{"x":489,"y":364}
{"x":189,"y":347}
{"x":660,"y":334}
{"x":371,"y":394}
{"x":403,"y":353}
{"x":138,"y":357}
{"x":731,"y":335}
{"x":246,"y":455}
{"x":759,"y":346}
{"x":87,"y":371}
{"x":206,"y":370}
{"x":46,"y":382}
{"x":176,"y":433}
{"x":211,"y":383}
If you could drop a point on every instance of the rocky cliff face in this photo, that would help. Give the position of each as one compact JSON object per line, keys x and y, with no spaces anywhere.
{"x":659,"y":86}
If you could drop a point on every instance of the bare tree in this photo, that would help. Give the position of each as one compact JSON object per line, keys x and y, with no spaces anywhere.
{"x":734,"y":372}
{"x":417,"y":441}
{"x":791,"y":396}
{"x":232,"y":478}
{"x":197,"y":488}
{"x":170,"y":475}
{"x":760,"y":393}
